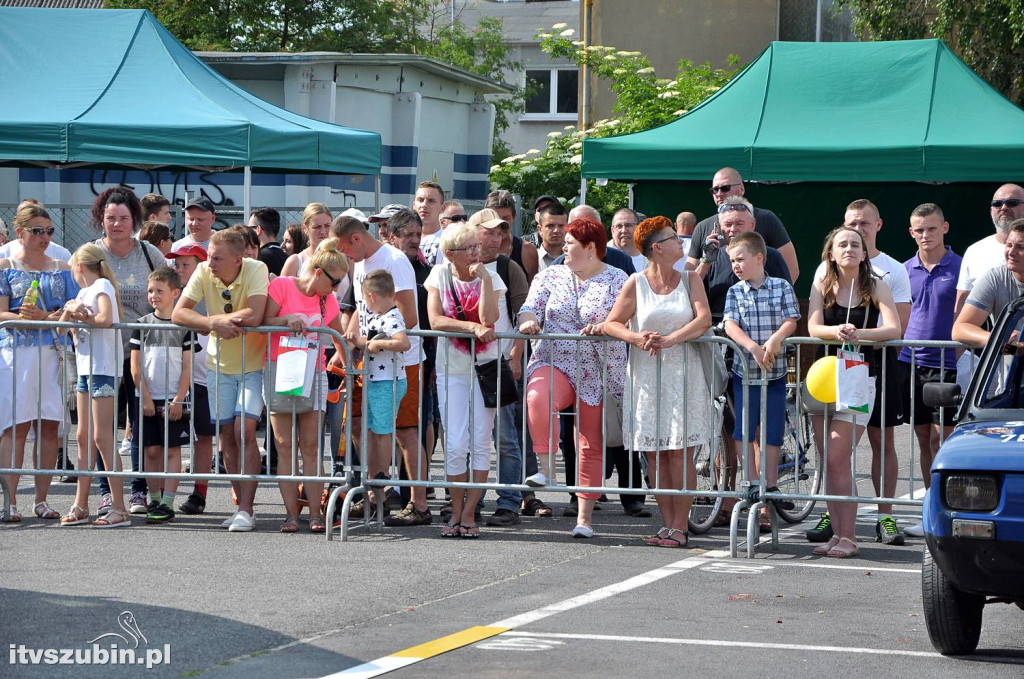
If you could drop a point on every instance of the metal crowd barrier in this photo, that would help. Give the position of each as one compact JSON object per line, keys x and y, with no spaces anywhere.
{"x":355,"y":481}
{"x":342,"y":470}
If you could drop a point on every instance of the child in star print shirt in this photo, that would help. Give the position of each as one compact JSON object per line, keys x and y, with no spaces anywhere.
{"x":385,"y":342}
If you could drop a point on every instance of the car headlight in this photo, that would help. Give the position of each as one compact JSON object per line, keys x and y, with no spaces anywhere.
{"x":972,"y":492}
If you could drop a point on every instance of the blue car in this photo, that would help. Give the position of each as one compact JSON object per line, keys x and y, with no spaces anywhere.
{"x":974,"y":510}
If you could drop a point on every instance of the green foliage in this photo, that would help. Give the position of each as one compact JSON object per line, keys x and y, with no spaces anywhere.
{"x":642,"y":102}
{"x":988,"y":35}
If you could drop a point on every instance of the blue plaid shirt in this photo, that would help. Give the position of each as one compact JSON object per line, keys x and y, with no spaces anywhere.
{"x":760,"y":312}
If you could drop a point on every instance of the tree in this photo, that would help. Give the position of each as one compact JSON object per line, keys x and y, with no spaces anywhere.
{"x":988,"y":35}
{"x":642,"y":102}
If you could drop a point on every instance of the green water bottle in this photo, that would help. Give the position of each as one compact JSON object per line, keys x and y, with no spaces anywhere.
{"x":31,"y":297}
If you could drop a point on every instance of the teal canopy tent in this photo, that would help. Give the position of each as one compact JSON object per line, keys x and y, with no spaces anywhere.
{"x":115,"y":88}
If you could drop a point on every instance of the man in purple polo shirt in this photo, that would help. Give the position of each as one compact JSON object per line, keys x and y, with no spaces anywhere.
{"x":933,"y":272}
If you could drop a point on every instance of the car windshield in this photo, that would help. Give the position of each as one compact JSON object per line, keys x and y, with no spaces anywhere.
{"x":1003,"y":386}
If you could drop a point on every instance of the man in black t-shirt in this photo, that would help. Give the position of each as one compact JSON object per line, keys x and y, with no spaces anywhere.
{"x":727,"y":183}
{"x":267,"y":222}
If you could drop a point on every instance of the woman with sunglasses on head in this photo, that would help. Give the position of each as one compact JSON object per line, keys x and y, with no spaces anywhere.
{"x":117,"y":214}
{"x":301,"y":302}
{"x":30,"y":362}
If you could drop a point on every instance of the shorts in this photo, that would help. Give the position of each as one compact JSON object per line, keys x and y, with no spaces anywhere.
{"x":409,"y":408}
{"x":895,"y":381}
{"x":776,"y":413}
{"x":287,"y":403}
{"x":231,"y":395}
{"x":202,"y":425}
{"x":859,"y":419}
{"x":102,"y":386}
{"x":381,"y":397}
{"x":925,"y":414}
{"x":178,"y":432}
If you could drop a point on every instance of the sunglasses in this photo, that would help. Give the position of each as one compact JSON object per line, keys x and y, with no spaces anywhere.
{"x":455,"y":218}
{"x":733,"y":207}
{"x":1009,"y":202}
{"x":662,"y":240}
{"x":49,"y":230}
{"x":722,"y":188}
{"x":335,"y":282}
{"x":469,"y":248}
{"x":226,"y":296}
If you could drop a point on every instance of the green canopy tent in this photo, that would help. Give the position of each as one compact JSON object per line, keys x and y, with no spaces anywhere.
{"x":824,"y":123}
{"x":115,"y":88}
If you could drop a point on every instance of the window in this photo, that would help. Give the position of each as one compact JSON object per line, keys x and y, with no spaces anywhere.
{"x":552,"y":92}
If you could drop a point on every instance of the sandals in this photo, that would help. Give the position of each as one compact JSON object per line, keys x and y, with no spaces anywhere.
{"x":535,"y":507}
{"x":451,"y":530}
{"x":77,"y":516}
{"x":316,"y":525}
{"x":43,"y":511}
{"x":723,"y":518}
{"x":13,"y":517}
{"x":108,"y":520}
{"x":673,"y":543}
{"x":469,"y":532}
{"x":839,"y":552}
{"x":764,"y":523}
{"x":655,"y":540}
{"x":291,"y":525}
{"x":823,"y":550}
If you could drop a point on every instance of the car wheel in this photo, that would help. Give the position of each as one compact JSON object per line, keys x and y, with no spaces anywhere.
{"x":953,"y":617}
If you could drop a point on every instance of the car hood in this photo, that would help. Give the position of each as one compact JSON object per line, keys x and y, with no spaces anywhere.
{"x":983,"y":446}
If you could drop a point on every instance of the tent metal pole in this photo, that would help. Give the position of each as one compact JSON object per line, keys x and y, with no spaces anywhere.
{"x":376,"y":193}
{"x":583,"y":190}
{"x":247,"y":194}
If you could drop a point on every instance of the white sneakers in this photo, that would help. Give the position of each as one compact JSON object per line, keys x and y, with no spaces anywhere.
{"x":537,"y":480}
{"x":581,"y":531}
{"x":239,"y":522}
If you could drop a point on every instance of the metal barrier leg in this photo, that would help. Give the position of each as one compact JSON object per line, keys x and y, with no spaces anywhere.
{"x":8,"y":497}
{"x":332,"y":502}
{"x":734,"y":521}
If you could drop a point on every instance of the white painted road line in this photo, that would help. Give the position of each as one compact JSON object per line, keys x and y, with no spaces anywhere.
{"x":724,"y":643}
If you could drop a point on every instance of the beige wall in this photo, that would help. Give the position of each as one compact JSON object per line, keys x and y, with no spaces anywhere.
{"x":669,"y":30}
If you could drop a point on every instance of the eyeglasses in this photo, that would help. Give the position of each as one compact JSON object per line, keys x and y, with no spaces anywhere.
{"x":39,"y":230}
{"x":1009,"y":202}
{"x":468,"y":248}
{"x":455,"y":218}
{"x":335,"y":282}
{"x":733,"y":207}
{"x":226,"y":296}
{"x":625,"y":226}
{"x":662,"y":240}
{"x":722,"y":188}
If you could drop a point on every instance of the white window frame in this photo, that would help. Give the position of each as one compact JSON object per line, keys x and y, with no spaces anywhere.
{"x":553,"y":96}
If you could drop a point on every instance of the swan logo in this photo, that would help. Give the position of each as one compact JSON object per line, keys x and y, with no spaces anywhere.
{"x":121,"y":649}
{"x":125,"y":621}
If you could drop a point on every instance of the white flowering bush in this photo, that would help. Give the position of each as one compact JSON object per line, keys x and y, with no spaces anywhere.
{"x":642,"y":101}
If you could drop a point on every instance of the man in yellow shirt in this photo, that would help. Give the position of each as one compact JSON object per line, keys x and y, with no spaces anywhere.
{"x":234,"y":291}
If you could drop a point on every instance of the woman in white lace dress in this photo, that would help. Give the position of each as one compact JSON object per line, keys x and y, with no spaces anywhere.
{"x":670,"y":413}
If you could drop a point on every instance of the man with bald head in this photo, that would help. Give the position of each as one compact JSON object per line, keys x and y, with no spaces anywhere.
{"x":686,"y":222}
{"x":612,"y":256}
{"x":727,"y":182}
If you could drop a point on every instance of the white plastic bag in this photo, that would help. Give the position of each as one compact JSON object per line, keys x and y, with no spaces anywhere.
{"x":296,"y":364}
{"x":851,"y":382}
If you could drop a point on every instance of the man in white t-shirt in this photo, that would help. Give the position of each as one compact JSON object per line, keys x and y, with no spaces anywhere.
{"x":863,"y":216}
{"x":1007,"y":205}
{"x":369,"y":254}
{"x":199,"y":217}
{"x":427,"y":203}
{"x":624,"y":223}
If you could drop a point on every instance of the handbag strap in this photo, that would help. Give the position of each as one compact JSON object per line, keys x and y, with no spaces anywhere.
{"x":455,"y":295}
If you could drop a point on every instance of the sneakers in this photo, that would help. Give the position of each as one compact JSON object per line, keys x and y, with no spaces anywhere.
{"x":241,"y":522}
{"x":537,"y":480}
{"x":886,"y":531}
{"x":823,"y":531}
{"x":126,"y":446}
{"x":637,"y":509}
{"x":581,"y":531}
{"x":193,"y":504}
{"x":106,"y":502}
{"x":503,"y":518}
{"x":915,"y":531}
{"x":392,"y":499}
{"x":410,"y":516}
{"x":137,"y":504}
{"x":158,"y":512}
{"x":226,"y":523}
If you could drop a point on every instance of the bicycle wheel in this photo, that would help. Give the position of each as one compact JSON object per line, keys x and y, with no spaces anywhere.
{"x":799,"y":467}
{"x":711,"y":461}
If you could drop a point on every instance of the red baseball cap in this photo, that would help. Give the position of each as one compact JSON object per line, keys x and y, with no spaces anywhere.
{"x":190,"y":250}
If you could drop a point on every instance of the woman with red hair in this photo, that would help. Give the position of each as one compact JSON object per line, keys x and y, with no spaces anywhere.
{"x":573,"y":299}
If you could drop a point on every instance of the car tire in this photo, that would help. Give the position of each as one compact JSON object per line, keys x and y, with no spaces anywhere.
{"x":953,"y":617}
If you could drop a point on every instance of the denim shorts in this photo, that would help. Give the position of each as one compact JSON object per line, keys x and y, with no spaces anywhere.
{"x":382,"y":397}
{"x":776,"y":410}
{"x":102,"y":385}
{"x":231,"y":395}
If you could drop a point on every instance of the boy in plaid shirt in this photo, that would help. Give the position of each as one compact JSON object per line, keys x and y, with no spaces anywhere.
{"x":760,"y":312}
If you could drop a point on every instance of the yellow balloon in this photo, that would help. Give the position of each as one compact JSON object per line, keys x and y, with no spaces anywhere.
{"x":821,"y":379}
